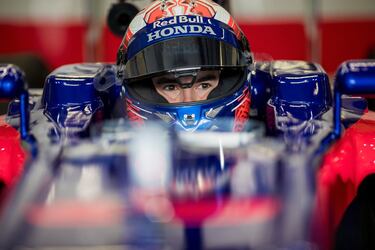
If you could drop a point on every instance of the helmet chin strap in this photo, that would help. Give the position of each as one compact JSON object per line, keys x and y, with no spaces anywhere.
{"x":191,"y":73}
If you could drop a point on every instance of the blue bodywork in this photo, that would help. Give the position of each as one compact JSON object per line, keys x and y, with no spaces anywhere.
{"x":290,"y":88}
{"x":73,"y":94}
{"x":85,"y":152}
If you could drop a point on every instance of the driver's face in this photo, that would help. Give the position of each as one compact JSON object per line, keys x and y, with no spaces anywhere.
{"x":173,"y":92}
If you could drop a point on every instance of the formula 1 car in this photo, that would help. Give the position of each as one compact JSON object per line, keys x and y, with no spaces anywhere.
{"x":74,"y":174}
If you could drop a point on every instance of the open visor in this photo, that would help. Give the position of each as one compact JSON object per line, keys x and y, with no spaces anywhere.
{"x":229,"y":80}
{"x":184,"y":52}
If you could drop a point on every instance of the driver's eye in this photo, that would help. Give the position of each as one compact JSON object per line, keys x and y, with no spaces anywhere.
{"x":205,"y":85}
{"x":169,"y":87}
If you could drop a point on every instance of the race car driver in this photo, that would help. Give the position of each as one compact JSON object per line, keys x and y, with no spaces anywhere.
{"x":187,"y":63}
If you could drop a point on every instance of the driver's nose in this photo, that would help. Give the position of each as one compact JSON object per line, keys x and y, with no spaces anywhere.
{"x":187,"y":95}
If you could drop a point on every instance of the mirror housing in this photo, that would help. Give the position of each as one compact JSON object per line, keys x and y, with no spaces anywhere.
{"x":354,"y":77}
{"x":13,"y":85}
{"x":119,"y":17}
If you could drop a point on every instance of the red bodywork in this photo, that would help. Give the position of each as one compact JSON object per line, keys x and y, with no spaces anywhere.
{"x":12,"y":156}
{"x":344,"y":167}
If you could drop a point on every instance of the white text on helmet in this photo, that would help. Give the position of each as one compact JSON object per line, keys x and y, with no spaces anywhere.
{"x":178,"y":20}
{"x":176,"y":30}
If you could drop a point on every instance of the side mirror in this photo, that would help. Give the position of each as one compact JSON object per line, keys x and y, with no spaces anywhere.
{"x":119,"y":17}
{"x":13,"y":85}
{"x":223,"y":3}
{"x":354,"y":77}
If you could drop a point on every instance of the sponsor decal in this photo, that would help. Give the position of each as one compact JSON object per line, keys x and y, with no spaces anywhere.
{"x":356,"y":66}
{"x":179,"y":20}
{"x":177,"y":30}
{"x":178,"y":25}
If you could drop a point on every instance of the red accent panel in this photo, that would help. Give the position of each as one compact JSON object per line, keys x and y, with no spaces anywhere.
{"x":199,"y":211}
{"x":110,"y":45}
{"x":57,"y":43}
{"x":132,"y":112}
{"x":343,"y":169}
{"x":227,"y":213}
{"x":241,"y":115}
{"x":343,"y":40}
{"x":12,"y":156}
{"x":281,"y":40}
{"x":77,"y":214}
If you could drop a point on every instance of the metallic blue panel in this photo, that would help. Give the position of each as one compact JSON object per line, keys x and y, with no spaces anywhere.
{"x":72,"y":93}
{"x":300,"y":89}
{"x":260,"y":89}
{"x":71,"y":85}
{"x":356,"y":77}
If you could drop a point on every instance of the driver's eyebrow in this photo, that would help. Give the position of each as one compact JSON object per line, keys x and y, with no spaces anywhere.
{"x":163,"y":80}
{"x":210,"y":77}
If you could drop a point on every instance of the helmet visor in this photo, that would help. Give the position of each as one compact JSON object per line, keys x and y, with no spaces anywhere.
{"x":182,"y":53}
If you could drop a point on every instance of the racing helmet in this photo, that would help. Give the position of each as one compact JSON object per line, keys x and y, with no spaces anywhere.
{"x":187,"y":63}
